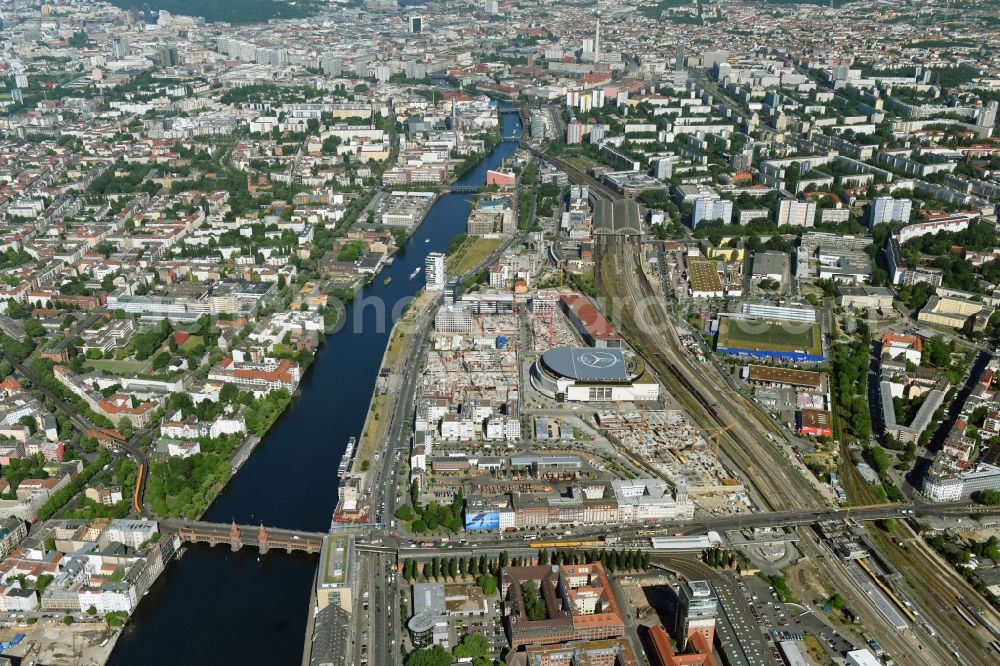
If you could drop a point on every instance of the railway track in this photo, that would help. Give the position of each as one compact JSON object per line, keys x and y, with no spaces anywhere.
{"x":936,"y":589}
{"x":577,"y":176}
{"x":780,"y":486}
{"x":643,"y":320}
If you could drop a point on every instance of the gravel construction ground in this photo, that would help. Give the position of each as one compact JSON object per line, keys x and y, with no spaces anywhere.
{"x":52,"y":643}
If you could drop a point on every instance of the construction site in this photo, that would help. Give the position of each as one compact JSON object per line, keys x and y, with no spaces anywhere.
{"x":672,"y":447}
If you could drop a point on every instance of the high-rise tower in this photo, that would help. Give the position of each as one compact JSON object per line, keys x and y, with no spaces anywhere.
{"x":597,"y":39}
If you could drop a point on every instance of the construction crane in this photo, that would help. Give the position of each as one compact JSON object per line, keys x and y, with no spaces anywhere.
{"x":552,"y":324}
{"x":718,"y":433}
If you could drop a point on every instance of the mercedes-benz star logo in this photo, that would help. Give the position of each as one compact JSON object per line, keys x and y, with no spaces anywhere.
{"x":598,"y":359}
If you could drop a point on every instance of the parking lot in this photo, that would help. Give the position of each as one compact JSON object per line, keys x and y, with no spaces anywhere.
{"x":789,"y":621}
{"x":740,"y":639}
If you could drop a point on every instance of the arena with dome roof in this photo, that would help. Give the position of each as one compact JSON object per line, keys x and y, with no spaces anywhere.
{"x":585,"y":374}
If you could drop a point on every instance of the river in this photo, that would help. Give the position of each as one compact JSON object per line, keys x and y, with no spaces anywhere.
{"x":217,"y":607}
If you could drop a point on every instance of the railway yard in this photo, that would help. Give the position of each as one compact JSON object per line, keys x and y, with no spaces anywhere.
{"x":747,"y":437}
{"x":933,"y":634}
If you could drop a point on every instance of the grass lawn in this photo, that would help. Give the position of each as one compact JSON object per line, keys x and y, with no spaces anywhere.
{"x":335,"y":566}
{"x":779,"y":336}
{"x":192,"y":342}
{"x":582,"y":163}
{"x":399,"y":344}
{"x":471,"y":253}
{"x":124,"y":367}
{"x":816,"y":650}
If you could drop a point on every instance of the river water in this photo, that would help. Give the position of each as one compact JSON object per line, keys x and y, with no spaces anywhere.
{"x":217,"y":607}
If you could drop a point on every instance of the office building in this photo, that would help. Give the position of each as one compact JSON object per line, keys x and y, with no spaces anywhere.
{"x":435,"y":276}
{"x":888,"y":209}
{"x":132,"y":533}
{"x":416,"y":24}
{"x":955,"y":312}
{"x":697,"y":608}
{"x":947,"y":480}
{"x":492,"y":7}
{"x":451,"y":290}
{"x":429,"y":623}
{"x":167,"y":55}
{"x":710,"y":59}
{"x":335,"y":583}
{"x":120,"y":48}
{"x":455,"y":318}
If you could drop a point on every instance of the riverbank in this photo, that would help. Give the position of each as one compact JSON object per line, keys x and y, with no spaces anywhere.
{"x":290,"y":480}
{"x":389,"y":375}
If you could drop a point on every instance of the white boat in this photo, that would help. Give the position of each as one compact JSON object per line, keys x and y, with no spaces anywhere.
{"x":427,"y":240}
{"x":345,"y":460}
{"x":416,"y":271}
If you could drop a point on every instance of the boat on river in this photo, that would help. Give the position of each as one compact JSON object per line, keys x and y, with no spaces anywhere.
{"x":345,"y":461}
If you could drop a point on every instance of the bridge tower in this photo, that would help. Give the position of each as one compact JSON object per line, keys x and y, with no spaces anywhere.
{"x":235,"y":543}
{"x":262,"y":540}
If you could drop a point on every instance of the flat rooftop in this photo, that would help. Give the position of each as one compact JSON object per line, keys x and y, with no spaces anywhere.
{"x":764,"y":373}
{"x":586,"y":364}
{"x":704,"y":276}
{"x":336,"y":560}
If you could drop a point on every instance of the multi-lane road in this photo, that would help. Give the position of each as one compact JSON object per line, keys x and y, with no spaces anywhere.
{"x":382,"y":617}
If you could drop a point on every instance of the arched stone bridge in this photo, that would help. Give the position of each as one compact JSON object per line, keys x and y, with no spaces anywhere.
{"x":238,"y":536}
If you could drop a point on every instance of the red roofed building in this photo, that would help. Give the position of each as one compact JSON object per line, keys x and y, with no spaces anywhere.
{"x":500,"y":178}
{"x":10,"y":385}
{"x":699,"y":652}
{"x":595,"y":79}
{"x":578,"y":603}
{"x":260,"y":378}
{"x":815,"y":422}
{"x":589,"y":322}
{"x":910,"y":347}
{"x":119,"y":407}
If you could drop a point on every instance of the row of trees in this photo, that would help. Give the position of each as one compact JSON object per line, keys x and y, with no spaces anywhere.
{"x":454,"y":568}
{"x":42,"y":370}
{"x":850,"y":371}
{"x":484,"y":570}
{"x":59,"y":498}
